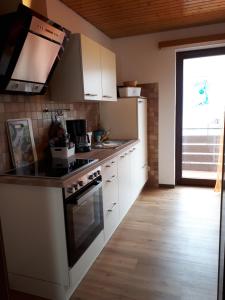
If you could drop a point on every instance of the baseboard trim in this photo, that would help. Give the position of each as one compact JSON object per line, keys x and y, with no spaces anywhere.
{"x":36,"y":287}
{"x":167,"y":186}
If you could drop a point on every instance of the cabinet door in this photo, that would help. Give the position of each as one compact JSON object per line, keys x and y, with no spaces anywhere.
{"x":110,"y":207}
{"x":134,"y":170}
{"x":124,"y":183}
{"x":91,"y":62}
{"x":142,"y":129}
{"x":108,"y":64}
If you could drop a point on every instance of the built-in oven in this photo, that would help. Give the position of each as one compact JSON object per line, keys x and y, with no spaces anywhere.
{"x":83,"y":208}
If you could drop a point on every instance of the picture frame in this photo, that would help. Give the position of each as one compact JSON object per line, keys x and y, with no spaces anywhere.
{"x":21,"y":142}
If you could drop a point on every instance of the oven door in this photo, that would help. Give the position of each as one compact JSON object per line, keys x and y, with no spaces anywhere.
{"x":84,"y":219}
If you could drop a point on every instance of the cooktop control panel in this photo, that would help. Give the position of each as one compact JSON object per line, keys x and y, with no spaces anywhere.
{"x":78,"y":184}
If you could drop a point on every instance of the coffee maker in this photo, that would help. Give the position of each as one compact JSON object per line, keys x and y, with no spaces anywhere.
{"x":77,"y":130}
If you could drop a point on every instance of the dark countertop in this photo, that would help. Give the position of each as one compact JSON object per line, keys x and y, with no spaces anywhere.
{"x":103,"y":155}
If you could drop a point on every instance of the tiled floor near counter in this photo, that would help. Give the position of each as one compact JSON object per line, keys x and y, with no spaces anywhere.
{"x":165,"y":249}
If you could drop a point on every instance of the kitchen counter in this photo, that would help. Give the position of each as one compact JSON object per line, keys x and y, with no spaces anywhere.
{"x":102,"y":155}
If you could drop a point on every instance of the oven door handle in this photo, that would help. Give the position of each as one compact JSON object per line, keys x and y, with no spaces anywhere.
{"x":81,"y":199}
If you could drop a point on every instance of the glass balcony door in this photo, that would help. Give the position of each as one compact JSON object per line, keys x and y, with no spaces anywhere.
{"x":200,"y":109}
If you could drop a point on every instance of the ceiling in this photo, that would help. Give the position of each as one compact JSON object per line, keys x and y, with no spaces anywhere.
{"x":120,"y":18}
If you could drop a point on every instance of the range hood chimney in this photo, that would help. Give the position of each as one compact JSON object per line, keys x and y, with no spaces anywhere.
{"x":9,"y":6}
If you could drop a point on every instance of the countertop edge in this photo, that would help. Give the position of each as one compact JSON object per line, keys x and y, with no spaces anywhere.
{"x":106,"y":154}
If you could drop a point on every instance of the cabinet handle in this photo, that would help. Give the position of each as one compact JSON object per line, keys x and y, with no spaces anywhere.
{"x":113,"y":162}
{"x":91,"y":95}
{"x":122,"y":156}
{"x":106,"y":96}
{"x":108,"y":166}
{"x":140,"y":101}
{"x":113,"y":206}
{"x":112,"y":178}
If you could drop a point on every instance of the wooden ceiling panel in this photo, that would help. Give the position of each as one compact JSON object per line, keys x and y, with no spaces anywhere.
{"x":119,"y":18}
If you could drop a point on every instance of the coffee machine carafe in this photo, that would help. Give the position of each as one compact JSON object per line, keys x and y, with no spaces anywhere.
{"x":77,"y":130}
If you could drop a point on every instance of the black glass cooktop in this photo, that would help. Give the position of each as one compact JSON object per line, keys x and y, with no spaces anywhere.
{"x":52,"y":168}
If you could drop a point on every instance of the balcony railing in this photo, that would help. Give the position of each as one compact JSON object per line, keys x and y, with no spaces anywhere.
{"x":200,"y":152}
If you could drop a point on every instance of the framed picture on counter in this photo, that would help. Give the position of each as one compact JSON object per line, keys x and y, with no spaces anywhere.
{"x":21,"y":142}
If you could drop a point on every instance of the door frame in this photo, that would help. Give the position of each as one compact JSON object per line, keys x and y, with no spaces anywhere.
{"x":180,"y":56}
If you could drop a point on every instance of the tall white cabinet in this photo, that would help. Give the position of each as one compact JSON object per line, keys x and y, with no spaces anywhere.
{"x":127,"y":119}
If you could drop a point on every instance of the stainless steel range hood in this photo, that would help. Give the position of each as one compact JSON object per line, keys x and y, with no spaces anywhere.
{"x":30,"y":46}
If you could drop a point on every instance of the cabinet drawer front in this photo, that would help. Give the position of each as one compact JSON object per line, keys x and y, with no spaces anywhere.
{"x":109,"y":170}
{"x":110,"y":206}
{"x":110,"y":194}
{"x":111,"y":220}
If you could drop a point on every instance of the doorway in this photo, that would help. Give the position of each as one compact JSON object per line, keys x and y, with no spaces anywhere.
{"x":199,"y":115}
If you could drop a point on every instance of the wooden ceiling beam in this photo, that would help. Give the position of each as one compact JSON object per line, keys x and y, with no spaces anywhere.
{"x":192,"y":40}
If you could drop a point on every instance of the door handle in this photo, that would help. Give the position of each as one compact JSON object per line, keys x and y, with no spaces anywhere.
{"x":91,"y":95}
{"x":112,"y":179}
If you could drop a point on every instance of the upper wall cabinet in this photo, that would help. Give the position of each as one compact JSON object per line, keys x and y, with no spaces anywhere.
{"x":91,"y":68}
{"x":86,"y":72}
{"x":108,"y":67}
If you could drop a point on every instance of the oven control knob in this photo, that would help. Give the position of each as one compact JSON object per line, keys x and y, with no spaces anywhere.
{"x":95,"y":174}
{"x":81,"y":183}
{"x":98,"y":172}
{"x":91,"y":176}
{"x":70,"y":190}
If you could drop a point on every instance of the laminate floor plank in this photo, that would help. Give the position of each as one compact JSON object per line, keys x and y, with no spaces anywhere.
{"x":165,"y":249}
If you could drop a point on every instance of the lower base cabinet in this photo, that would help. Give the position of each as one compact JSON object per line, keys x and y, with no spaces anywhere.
{"x":132,"y":176}
{"x":41,"y":241}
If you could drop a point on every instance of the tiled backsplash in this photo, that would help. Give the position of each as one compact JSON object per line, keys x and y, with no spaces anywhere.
{"x":16,"y":107}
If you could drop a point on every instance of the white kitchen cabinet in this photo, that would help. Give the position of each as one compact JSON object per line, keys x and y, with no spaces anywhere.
{"x":108,"y":67}
{"x":87,"y":71}
{"x":124,"y":183}
{"x":110,"y":198}
{"x":142,"y":130}
{"x":127,"y":119}
{"x":131,"y":178}
{"x":134,"y":173}
{"x":91,"y":67}
{"x":35,"y":240}
{"x":34,"y":228}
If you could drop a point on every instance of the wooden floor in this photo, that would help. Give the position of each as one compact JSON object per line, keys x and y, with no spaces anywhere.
{"x":165,"y":249}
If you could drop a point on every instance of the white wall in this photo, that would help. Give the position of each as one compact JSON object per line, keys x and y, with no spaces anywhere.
{"x":138,"y":58}
{"x":60,"y":13}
